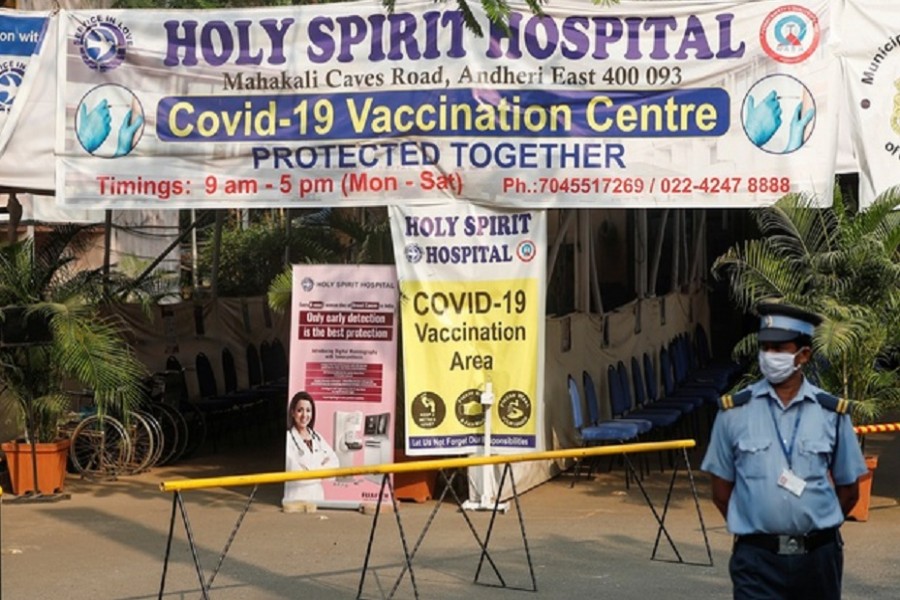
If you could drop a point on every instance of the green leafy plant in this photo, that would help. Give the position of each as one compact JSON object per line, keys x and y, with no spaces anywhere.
{"x":364,"y":237}
{"x":79,"y":348}
{"x":842,"y":264}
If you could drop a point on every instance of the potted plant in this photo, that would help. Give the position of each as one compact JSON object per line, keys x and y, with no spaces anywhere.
{"x":844,"y":265}
{"x":53,"y":335}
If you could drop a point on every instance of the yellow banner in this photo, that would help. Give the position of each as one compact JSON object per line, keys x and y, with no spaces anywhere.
{"x":471,"y":330}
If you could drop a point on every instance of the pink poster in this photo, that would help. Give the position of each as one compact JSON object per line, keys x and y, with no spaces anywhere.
{"x":343,"y":363}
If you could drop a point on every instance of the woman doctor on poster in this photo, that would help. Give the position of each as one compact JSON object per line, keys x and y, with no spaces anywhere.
{"x":306,"y":451}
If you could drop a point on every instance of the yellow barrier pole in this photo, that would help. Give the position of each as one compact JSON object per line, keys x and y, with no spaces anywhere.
{"x":425,"y":465}
{"x":422,"y":465}
{"x":876,"y":428}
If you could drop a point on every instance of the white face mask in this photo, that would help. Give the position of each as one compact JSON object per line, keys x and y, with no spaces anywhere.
{"x":777,"y":366}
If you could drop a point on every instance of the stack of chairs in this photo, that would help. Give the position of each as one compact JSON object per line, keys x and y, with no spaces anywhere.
{"x":597,"y":433}
{"x":679,"y":380}
{"x":706,"y":363}
{"x":665,"y":418}
{"x":251,"y":402}
{"x":274,"y":394}
{"x":223,"y":412}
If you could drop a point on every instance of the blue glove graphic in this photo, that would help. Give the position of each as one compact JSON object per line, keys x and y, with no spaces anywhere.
{"x":94,"y":126}
{"x":763,"y":121}
{"x":127,"y":131}
{"x":798,"y":127}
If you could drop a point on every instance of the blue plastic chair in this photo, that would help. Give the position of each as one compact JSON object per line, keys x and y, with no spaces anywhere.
{"x":595,"y":435}
{"x":590,"y":395}
{"x":669,"y":391}
{"x":688,"y":369}
{"x":728,"y":366}
{"x":620,"y":397}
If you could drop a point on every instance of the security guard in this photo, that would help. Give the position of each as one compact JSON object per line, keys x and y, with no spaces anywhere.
{"x":772,"y":449}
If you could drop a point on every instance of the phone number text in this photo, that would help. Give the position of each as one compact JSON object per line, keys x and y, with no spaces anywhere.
{"x":641,"y":185}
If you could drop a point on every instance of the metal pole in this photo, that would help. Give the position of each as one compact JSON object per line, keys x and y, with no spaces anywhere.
{"x":195,"y":265}
{"x":657,"y":253}
{"x":594,"y":273}
{"x":217,"y":250}
{"x":107,"y":241}
{"x":557,"y":243}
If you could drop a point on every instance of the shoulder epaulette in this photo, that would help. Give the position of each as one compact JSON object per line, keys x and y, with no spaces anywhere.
{"x":833,"y":403}
{"x":729,"y":401}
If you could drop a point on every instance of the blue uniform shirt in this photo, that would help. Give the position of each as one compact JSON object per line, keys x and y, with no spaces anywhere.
{"x":744,"y":448}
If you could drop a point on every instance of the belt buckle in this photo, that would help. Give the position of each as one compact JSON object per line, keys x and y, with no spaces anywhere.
{"x":791,"y":545}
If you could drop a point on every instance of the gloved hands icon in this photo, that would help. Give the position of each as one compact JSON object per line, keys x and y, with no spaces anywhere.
{"x":798,"y":127}
{"x":127,"y":131}
{"x":764,"y":119}
{"x":94,"y":126}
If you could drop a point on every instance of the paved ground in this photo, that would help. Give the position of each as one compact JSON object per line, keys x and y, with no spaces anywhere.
{"x":590,"y":541}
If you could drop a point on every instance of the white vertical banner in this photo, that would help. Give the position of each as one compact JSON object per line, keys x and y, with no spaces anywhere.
{"x":344,"y":356}
{"x":27,"y":99}
{"x":472,"y":285}
{"x":868,"y":43}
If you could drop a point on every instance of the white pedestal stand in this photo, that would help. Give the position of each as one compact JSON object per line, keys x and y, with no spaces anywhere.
{"x":483,"y":478}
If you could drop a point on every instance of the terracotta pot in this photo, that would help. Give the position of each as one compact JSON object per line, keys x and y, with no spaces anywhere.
{"x":51,"y":466}
{"x":860,"y":512}
{"x":417,"y":486}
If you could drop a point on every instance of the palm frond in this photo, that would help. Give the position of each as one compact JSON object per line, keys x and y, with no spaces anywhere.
{"x":279,"y":294}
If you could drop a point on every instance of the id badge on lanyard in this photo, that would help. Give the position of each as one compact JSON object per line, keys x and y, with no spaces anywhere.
{"x":788,"y":479}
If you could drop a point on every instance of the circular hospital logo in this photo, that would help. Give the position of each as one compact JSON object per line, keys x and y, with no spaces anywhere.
{"x":11,"y":74}
{"x":790,"y":34}
{"x":307,"y":284}
{"x":526,"y":250}
{"x":103,"y":41}
{"x":413,"y":253}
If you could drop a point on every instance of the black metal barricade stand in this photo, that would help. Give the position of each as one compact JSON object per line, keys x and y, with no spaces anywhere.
{"x":661,"y":519}
{"x":205,"y":584}
{"x":483,"y":545}
{"x":178,"y":507}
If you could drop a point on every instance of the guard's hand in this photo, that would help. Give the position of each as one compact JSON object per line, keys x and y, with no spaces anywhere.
{"x":94,"y":126}
{"x":798,"y":127}
{"x":764,"y":119}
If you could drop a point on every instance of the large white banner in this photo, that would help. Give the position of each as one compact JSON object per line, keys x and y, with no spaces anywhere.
{"x":869,"y":44}
{"x":20,"y":38}
{"x":27,"y":100}
{"x":473,"y":285}
{"x":638,"y":104}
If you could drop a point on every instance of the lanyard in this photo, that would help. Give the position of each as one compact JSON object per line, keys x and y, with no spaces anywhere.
{"x":786,"y":449}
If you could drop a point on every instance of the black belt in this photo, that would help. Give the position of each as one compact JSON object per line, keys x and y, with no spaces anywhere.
{"x":789,"y":544}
